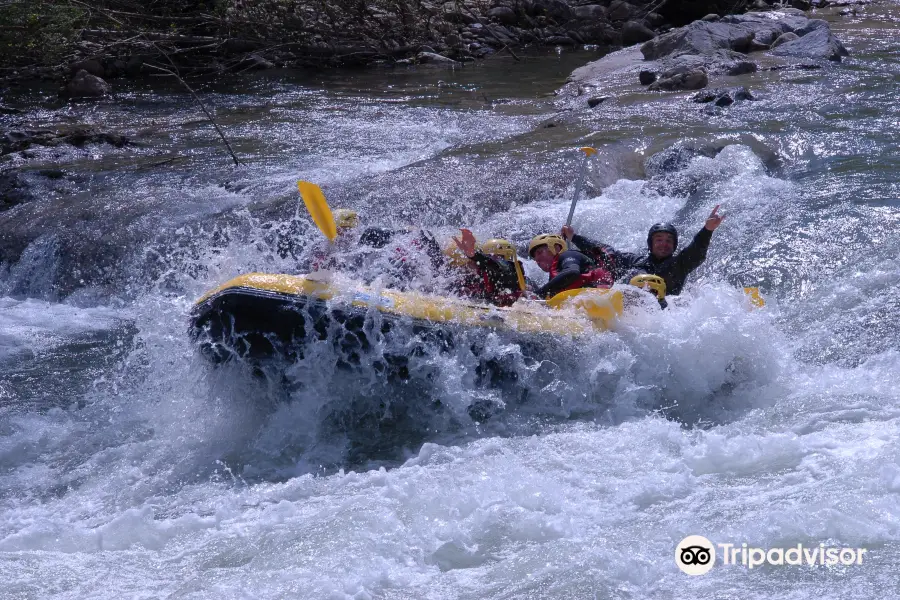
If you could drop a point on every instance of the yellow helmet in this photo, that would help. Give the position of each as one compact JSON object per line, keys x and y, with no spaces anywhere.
{"x":501,"y":248}
{"x":650,"y":282}
{"x":455,"y":256}
{"x":346,"y":218}
{"x":547,"y":239}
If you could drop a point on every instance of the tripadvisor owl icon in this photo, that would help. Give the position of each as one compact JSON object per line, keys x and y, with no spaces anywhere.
{"x":695,"y":555}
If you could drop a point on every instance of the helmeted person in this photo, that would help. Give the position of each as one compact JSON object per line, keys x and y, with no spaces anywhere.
{"x":661,"y":259}
{"x":490,"y":273}
{"x":568,"y":269}
{"x":346,"y":221}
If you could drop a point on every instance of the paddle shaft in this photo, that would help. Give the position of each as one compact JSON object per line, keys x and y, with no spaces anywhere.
{"x":578,"y":185}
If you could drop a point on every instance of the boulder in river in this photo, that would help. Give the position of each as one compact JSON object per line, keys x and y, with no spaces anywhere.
{"x":85,"y":85}
{"x":819,"y":43}
{"x":690,"y":80}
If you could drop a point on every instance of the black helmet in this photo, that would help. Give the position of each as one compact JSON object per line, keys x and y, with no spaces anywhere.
{"x":661,"y":227}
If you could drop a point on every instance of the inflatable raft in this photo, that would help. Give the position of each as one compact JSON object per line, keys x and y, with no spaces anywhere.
{"x":261,"y":316}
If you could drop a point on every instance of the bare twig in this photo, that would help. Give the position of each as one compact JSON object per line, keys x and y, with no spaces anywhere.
{"x":200,"y":102}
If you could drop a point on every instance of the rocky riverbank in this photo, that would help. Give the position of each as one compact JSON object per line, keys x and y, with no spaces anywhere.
{"x":726,"y":51}
{"x":108,"y":42}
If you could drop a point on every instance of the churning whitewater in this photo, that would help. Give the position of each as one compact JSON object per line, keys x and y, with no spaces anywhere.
{"x":130,"y":467}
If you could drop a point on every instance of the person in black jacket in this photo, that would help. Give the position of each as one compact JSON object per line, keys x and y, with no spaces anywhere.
{"x":488,"y":273}
{"x":662,"y":260}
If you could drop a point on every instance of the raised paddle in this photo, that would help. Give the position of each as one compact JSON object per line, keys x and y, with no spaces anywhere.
{"x":318,"y":208}
{"x":588,"y":153}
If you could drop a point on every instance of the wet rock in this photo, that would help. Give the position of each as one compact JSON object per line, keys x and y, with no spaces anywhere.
{"x":784,"y":38}
{"x":812,"y":25}
{"x":560,"y":40}
{"x":85,"y":85}
{"x":647,"y":77}
{"x":699,"y":38}
{"x":723,"y":97}
{"x":636,"y":33}
{"x":678,"y":157}
{"x":690,"y":80}
{"x":13,"y":190}
{"x":94,"y":67}
{"x":802,"y":5}
{"x":711,"y":18}
{"x":432,"y":58}
{"x":22,"y":139}
{"x":591,"y":12}
{"x":596,"y":101}
{"x":742,"y":68}
{"x":819,"y":43}
{"x":555,"y":9}
{"x":504,"y":15}
{"x":619,"y":10}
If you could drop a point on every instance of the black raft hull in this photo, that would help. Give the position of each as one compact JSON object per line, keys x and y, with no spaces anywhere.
{"x":260,"y":317}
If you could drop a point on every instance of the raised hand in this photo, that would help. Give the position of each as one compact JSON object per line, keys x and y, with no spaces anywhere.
{"x":467,"y":243}
{"x":567,"y":232}
{"x":714,"y":219}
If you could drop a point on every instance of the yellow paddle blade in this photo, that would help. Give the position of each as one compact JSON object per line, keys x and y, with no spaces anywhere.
{"x":318,"y":208}
{"x":756,"y":300}
{"x":599,"y":304}
{"x":588,"y":151}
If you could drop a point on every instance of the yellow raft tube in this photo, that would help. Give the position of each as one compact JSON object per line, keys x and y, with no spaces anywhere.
{"x":258,"y":315}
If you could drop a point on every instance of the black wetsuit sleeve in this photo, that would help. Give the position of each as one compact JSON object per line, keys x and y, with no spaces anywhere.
{"x":376,"y":237}
{"x":432,"y":248}
{"x":618,"y":263}
{"x":693,"y":256}
{"x":571,"y":265}
{"x":501,"y":273}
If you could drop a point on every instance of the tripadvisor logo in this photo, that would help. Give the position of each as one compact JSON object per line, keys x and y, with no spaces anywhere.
{"x":696,"y":555}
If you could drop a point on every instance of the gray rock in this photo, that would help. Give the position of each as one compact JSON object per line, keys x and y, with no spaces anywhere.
{"x":723,"y":97}
{"x":784,"y":38}
{"x":91,"y":66}
{"x":700,"y":38}
{"x":678,"y":157}
{"x":654,"y":19}
{"x":817,"y":44}
{"x":711,"y":18}
{"x":812,"y":25}
{"x":85,"y":85}
{"x":560,"y":40}
{"x":636,"y":33}
{"x":647,"y":77}
{"x":742,"y":68}
{"x":596,"y":100}
{"x":431,"y":57}
{"x":591,"y":12}
{"x":13,"y":190}
{"x":802,"y":5}
{"x":504,"y":14}
{"x":692,"y":80}
{"x":619,"y":10}
{"x":784,"y":22}
{"x":555,"y":9}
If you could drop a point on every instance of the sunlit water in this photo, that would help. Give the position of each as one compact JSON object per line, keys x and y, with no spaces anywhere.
{"x":130,"y":468}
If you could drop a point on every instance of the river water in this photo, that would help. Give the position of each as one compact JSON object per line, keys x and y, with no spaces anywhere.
{"x":130,"y":468}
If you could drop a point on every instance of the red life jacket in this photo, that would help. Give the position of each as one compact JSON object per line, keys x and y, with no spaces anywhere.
{"x":598,"y":277}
